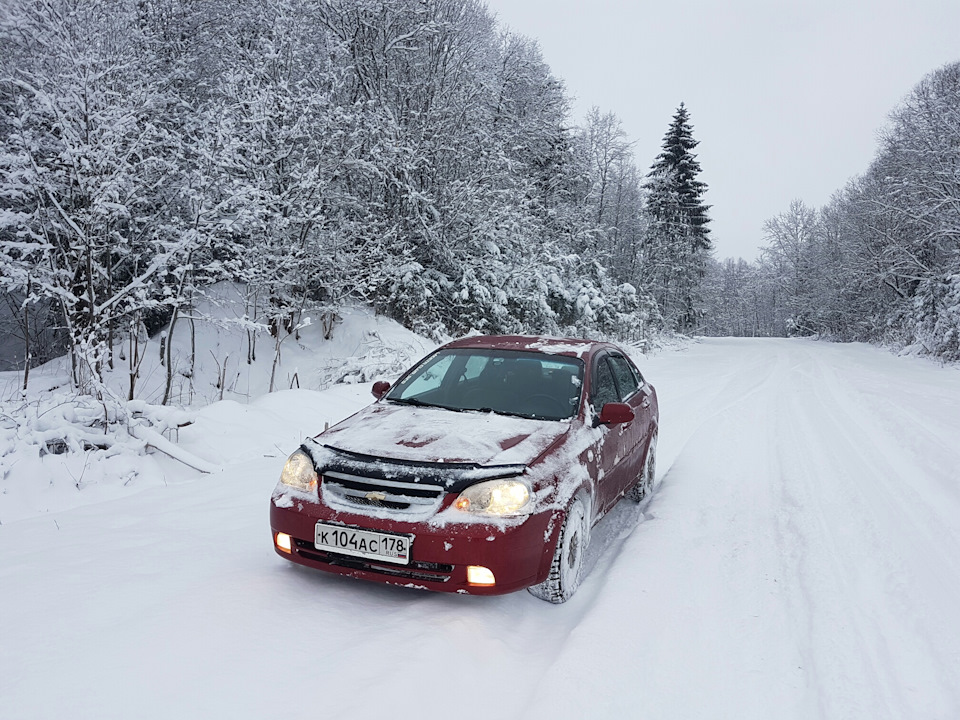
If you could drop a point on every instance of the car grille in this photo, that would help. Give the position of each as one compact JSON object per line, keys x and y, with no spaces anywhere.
{"x":419,"y":571}
{"x":355,"y":492}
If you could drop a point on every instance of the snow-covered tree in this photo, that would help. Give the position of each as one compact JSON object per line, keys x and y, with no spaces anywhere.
{"x":90,"y":172}
{"x":881,"y":261}
{"x":677,"y":242}
{"x":407,"y":154}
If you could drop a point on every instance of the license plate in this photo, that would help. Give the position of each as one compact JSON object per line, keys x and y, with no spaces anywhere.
{"x":364,"y":543}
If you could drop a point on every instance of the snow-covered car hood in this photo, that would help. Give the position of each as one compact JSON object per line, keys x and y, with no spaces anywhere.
{"x":435,"y":435}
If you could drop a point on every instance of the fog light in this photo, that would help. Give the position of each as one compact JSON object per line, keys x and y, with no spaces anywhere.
{"x":479,"y":575}
{"x":284,"y":542}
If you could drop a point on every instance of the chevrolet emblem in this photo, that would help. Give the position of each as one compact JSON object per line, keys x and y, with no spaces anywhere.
{"x":376,"y":496}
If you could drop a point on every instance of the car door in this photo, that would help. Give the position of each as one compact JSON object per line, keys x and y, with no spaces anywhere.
{"x":611,"y":473}
{"x":633,"y":436}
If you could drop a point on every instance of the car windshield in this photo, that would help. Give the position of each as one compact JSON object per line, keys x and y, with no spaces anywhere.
{"x":509,"y":382}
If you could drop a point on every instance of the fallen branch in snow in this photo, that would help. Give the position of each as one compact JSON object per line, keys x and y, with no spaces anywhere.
{"x":62,"y":422}
{"x":157,"y":441}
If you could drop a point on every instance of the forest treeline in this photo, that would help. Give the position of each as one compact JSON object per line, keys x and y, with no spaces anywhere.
{"x":881,"y":261}
{"x":408,"y":154}
{"x":414,"y":156}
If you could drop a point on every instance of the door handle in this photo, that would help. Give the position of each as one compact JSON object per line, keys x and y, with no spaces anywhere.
{"x":645,"y":403}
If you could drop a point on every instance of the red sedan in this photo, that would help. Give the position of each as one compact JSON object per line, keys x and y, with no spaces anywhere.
{"x":481,"y":471}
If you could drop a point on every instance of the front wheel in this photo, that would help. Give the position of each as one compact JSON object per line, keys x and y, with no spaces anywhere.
{"x":567,"y":566}
{"x":643,"y":488}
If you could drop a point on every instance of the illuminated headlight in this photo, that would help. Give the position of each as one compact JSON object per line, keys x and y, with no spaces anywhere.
{"x":495,"y":497}
{"x":299,"y":472}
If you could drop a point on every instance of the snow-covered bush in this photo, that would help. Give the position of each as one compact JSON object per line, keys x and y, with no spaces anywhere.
{"x":936,"y":309}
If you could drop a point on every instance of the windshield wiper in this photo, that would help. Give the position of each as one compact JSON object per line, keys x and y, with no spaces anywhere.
{"x":505,"y":412}
{"x":420,"y":403}
{"x":412,"y":401}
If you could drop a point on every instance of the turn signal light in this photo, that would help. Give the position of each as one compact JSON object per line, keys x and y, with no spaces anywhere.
{"x":479,"y":575}
{"x":284,"y":542}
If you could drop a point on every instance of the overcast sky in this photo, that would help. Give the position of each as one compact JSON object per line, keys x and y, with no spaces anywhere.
{"x":786,"y":99}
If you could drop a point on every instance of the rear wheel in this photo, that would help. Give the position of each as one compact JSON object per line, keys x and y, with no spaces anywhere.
{"x":643,"y":488}
{"x":567,"y":566}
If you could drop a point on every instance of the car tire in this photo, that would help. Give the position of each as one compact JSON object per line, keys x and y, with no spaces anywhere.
{"x":643,"y":488}
{"x":566,"y":569}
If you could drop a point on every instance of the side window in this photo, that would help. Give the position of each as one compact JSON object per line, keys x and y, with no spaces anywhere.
{"x":604,"y":387}
{"x":626,"y":379}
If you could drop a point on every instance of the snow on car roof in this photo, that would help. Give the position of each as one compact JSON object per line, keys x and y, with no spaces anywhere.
{"x":550,"y":345}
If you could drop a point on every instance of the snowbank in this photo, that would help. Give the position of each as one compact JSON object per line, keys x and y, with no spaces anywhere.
{"x":59,"y":449}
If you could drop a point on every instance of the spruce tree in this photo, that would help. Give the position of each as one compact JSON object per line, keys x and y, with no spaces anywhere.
{"x":677,"y":244}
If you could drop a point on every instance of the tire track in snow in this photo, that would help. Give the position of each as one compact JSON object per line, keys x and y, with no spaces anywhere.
{"x":862,"y":554}
{"x":820,"y":590}
{"x":681,"y":618}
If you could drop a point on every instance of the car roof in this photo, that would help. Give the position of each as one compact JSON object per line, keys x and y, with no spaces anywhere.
{"x":531,"y":343}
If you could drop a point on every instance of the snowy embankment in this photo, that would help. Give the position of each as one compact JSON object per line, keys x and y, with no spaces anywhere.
{"x":138,"y":444}
{"x":799,"y":559}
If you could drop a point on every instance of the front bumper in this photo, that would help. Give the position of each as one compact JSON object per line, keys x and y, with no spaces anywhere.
{"x":518,"y":555}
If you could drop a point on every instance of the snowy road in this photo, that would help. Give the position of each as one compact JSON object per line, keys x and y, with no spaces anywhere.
{"x":800,"y":559}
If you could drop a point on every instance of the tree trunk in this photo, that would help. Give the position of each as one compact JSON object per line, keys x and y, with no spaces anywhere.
{"x":173,"y":323}
{"x":168,"y":355}
{"x":26,"y":334}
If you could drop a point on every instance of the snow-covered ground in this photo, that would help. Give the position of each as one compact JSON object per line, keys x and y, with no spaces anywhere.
{"x":800,"y":559}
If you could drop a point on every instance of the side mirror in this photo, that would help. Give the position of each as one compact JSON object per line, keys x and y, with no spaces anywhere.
{"x":380,"y":388}
{"x":614,"y":413}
